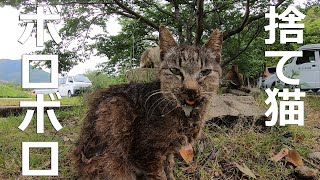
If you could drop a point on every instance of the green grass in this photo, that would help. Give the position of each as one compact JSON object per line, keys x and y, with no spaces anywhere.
{"x":13,"y":91}
{"x":313,"y":101}
{"x":244,"y":145}
{"x":77,"y":100}
{"x":11,"y":139}
{"x":216,"y":152}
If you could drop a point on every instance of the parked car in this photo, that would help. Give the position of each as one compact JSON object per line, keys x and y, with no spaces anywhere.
{"x":305,"y":68}
{"x":68,"y":86}
{"x":270,"y":78}
{"x":73,"y":85}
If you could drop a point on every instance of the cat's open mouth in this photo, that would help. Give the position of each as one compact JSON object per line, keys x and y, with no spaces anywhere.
{"x":190,"y":101}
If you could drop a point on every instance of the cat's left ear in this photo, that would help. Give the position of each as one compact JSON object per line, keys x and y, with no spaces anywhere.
{"x":215,"y":44}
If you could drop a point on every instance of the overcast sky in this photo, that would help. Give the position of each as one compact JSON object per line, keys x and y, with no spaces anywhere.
{"x":10,"y":32}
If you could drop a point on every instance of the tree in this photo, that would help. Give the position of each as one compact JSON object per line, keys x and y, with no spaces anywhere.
{"x":190,"y":20}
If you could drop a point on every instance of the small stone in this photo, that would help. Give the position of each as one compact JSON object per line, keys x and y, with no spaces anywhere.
{"x":216,"y":174}
{"x":306,"y":172}
{"x":315,"y":156}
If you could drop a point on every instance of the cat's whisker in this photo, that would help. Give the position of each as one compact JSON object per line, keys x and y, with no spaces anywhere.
{"x":170,"y":102}
{"x":162,"y":92}
{"x":169,"y":111}
{"x":155,"y":104}
{"x":165,"y":106}
{"x":163,"y":99}
{"x":151,"y":92}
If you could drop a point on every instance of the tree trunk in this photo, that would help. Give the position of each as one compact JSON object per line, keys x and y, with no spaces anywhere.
{"x":199,"y":22}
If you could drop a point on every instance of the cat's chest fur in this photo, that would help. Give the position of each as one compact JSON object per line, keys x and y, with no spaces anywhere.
{"x":163,"y":125}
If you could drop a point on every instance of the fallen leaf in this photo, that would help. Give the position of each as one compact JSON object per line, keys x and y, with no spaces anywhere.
{"x":65,"y":139}
{"x":294,"y":158}
{"x":280,"y":155}
{"x":245,"y":170}
{"x":299,"y":138}
{"x":186,"y":153}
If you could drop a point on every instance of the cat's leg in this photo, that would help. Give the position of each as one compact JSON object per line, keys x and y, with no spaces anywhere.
{"x":112,"y":169}
{"x":168,"y":166}
{"x":159,"y":175}
{"x":151,"y":169}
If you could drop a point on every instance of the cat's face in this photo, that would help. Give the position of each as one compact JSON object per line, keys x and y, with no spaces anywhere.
{"x":189,"y":75}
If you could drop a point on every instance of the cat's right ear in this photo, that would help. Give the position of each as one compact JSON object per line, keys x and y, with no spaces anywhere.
{"x":166,"y":40}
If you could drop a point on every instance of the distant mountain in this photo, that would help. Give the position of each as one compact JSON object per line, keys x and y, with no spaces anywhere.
{"x":10,"y":71}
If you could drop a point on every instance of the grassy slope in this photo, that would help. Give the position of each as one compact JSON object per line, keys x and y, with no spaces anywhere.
{"x":215,"y":153}
{"x":12,"y":91}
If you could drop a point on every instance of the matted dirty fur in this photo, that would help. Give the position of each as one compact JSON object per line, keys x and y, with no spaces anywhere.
{"x":132,"y":131}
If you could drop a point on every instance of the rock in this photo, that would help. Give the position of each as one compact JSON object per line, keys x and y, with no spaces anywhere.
{"x":315,"y":156}
{"x":142,"y":74}
{"x":230,"y":109}
{"x":306,"y":172}
{"x":234,"y":106}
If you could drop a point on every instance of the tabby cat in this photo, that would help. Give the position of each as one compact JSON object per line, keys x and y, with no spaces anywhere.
{"x":132,"y":131}
{"x":150,"y":58}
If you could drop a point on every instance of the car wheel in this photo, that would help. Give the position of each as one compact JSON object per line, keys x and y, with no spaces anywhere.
{"x":69,"y":94}
{"x":315,"y":90}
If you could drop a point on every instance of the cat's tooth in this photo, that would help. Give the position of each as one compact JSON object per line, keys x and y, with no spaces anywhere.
{"x":187,"y":110}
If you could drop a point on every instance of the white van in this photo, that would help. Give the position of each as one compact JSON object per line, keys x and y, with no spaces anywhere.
{"x":72,"y":85}
{"x":68,"y":86}
{"x":306,"y":68}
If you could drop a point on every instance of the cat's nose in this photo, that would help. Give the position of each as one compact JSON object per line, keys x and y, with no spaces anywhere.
{"x":190,"y":84}
{"x":191,"y":93}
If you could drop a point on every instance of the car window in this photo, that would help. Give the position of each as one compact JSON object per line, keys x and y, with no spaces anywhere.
{"x":289,"y":61}
{"x":81,"y":79}
{"x":70,"y":79}
{"x":308,"y":56}
{"x":272,"y":70}
{"x":62,"y":80}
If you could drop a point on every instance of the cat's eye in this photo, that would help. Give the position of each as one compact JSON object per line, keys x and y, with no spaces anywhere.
{"x":205,"y":72}
{"x":175,"y":71}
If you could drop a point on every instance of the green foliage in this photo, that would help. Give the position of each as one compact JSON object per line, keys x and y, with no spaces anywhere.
{"x":140,"y":21}
{"x":243,"y":45}
{"x":312,"y":25}
{"x":102,"y":80}
{"x":12,"y":91}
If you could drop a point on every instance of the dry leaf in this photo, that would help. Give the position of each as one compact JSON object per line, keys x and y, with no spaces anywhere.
{"x":245,"y":170}
{"x":299,"y":138}
{"x":280,"y":155}
{"x":294,"y":158}
{"x":186,"y":153}
{"x":65,"y":138}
